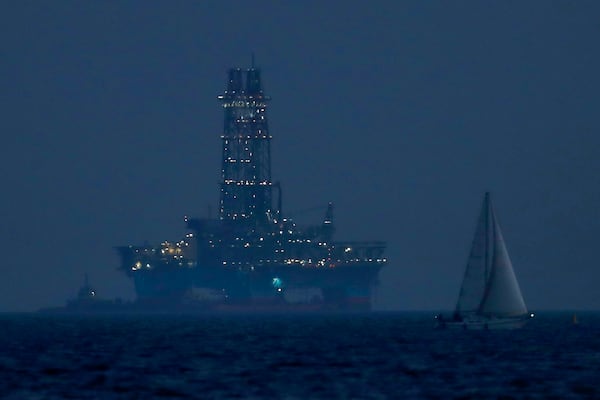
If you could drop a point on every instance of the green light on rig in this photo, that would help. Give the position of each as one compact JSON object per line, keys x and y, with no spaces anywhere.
{"x":277,"y":284}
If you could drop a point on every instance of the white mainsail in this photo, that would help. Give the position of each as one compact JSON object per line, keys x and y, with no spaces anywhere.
{"x":476,"y":273}
{"x":489,"y":286}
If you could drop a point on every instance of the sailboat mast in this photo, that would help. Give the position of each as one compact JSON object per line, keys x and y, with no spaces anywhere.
{"x":486,"y":272}
{"x":488,"y":231}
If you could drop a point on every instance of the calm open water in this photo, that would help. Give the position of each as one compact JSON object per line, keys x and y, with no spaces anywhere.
{"x":371,"y":356}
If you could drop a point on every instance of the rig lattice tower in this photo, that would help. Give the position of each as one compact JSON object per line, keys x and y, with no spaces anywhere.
{"x":246,"y":186}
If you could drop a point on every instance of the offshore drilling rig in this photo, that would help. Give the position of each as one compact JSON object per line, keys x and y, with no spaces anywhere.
{"x":251,"y":257}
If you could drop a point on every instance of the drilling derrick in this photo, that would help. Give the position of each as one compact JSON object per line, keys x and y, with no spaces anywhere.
{"x":246,"y":187}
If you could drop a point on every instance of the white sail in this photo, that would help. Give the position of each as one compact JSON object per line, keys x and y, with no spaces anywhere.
{"x":476,"y":273}
{"x":503,"y":296}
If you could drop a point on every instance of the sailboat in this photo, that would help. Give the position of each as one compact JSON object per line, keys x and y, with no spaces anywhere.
{"x":490,"y":297}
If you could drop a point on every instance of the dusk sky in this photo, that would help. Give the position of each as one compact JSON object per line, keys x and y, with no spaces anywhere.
{"x":401,"y":113}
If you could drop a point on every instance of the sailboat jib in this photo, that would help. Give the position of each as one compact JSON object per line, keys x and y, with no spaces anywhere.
{"x":503,"y":296}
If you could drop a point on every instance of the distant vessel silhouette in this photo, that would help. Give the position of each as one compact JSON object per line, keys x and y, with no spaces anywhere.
{"x":88,"y":301}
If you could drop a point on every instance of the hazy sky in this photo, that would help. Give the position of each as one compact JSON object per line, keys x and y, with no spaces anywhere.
{"x":401,"y":113}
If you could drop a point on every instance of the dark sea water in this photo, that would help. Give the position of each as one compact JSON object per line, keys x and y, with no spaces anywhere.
{"x":370,"y":356}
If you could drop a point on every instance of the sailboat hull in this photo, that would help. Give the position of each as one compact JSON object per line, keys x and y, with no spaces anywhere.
{"x":486,"y":323}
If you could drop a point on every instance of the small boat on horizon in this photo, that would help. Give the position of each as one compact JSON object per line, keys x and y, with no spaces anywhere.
{"x":490,"y":296}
